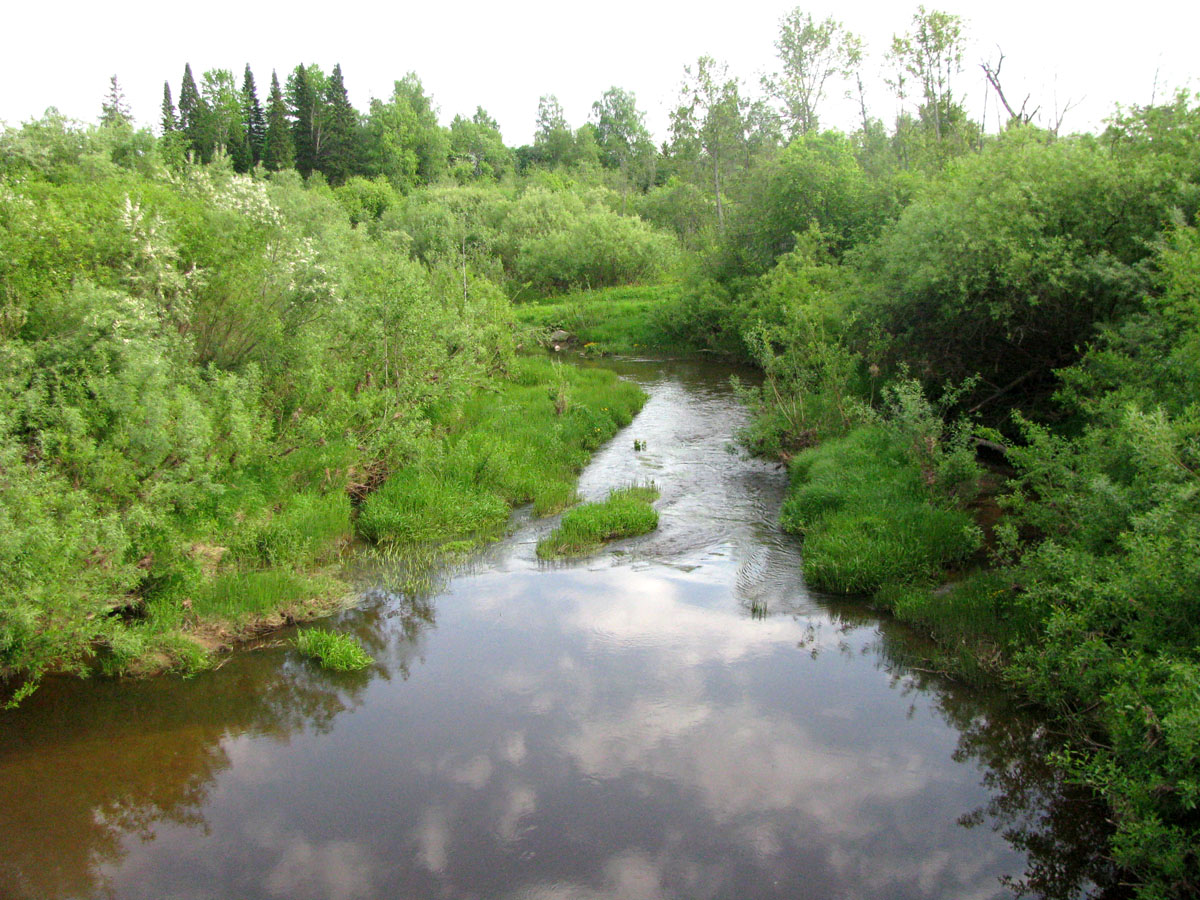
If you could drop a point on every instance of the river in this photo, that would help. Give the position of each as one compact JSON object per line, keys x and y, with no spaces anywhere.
{"x":677,"y":716}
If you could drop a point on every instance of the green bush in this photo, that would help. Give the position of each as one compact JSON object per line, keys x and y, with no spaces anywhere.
{"x":599,"y":250}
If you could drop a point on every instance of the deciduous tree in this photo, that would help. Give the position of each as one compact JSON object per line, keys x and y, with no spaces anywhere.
{"x":623,"y":139}
{"x":711,"y":117}
{"x":552,"y":137}
{"x":810,"y":54}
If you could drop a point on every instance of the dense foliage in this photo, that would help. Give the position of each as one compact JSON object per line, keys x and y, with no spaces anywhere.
{"x":206,"y":373}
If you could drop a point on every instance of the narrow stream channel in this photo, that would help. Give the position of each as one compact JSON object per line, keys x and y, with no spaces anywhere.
{"x":675,"y":717}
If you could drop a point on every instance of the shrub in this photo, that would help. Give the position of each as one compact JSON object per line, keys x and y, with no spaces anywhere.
{"x":598,"y":250}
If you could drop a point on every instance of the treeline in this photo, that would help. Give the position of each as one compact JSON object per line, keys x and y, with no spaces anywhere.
{"x":309,"y":124}
{"x":720,"y":127}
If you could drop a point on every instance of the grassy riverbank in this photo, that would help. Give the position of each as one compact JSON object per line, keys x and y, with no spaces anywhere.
{"x":518,"y":438}
{"x":1082,"y":603}
{"x":628,"y":321}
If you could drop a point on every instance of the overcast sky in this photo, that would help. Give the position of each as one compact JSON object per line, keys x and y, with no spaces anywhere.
{"x":504,"y":55}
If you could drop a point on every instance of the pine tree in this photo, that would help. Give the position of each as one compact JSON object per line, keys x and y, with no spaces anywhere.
{"x":277,"y":142}
{"x":306,"y":121}
{"x":114,"y":111}
{"x":169,"y":122}
{"x":252,"y":117}
{"x":339,"y":156}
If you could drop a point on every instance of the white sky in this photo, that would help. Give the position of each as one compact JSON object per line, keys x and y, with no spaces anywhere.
{"x":504,"y":55}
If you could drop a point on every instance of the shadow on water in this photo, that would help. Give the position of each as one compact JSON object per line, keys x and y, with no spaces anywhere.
{"x":678,"y":716}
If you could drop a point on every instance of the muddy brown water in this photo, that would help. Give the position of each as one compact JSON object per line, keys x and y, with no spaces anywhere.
{"x":677,"y":716}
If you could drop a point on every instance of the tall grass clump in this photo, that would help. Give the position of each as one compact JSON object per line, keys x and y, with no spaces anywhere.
{"x":626,"y":513}
{"x":234,"y":597}
{"x":332,"y":650}
{"x":978,"y":623}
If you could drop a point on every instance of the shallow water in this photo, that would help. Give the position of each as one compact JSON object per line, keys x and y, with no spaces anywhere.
{"x":675,"y":717}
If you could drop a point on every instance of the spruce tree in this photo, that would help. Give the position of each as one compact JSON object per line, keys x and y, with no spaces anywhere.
{"x":115,"y":110}
{"x":277,"y":142}
{"x":338,"y":159}
{"x":169,"y":122}
{"x":254,"y":121}
{"x":193,"y":115}
{"x":238,"y":146}
{"x":306,"y":121}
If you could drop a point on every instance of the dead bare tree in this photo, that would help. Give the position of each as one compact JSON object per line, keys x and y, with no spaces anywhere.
{"x":993,"y":77}
{"x":1059,"y":115}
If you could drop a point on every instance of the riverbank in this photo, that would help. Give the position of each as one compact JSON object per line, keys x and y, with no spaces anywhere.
{"x":632,"y":320}
{"x":518,"y":438}
{"x":1042,"y":613}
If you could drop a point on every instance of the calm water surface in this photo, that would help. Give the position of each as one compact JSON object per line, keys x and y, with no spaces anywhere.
{"x":676,"y":717}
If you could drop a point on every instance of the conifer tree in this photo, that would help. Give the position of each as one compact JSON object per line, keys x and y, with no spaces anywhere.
{"x":307,"y":137}
{"x":253,"y":120}
{"x":277,"y":142}
{"x":193,"y":114}
{"x":339,"y":156}
{"x":115,"y":109}
{"x":169,"y":122}
{"x":238,"y":145}
{"x":189,"y":99}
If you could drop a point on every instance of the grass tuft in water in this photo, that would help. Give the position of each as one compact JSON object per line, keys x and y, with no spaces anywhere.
{"x":627,"y":512}
{"x":332,"y":650}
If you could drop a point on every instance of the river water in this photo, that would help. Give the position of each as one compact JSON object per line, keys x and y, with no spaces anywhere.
{"x":677,"y":716}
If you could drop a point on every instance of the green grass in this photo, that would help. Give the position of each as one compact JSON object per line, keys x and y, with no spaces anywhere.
{"x":332,"y":650}
{"x":525,"y":443}
{"x":627,"y":512}
{"x":867,"y":517}
{"x":976,"y":624}
{"x":621,"y":320}
{"x":241,"y":595}
{"x":308,"y":526}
